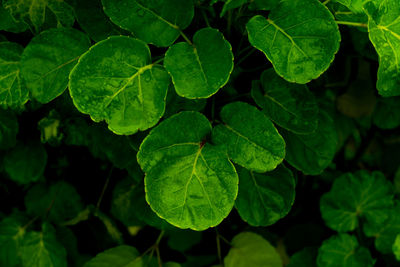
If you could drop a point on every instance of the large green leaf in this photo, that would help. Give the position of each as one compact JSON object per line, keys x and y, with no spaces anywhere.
{"x":25,"y":163}
{"x":13,"y":91}
{"x":121,"y":256}
{"x":250,"y":138}
{"x":387,"y":113}
{"x":61,"y":197}
{"x":115,"y":81}
{"x":384,"y":33}
{"x":291,"y":106}
{"x":250,"y":249}
{"x":41,"y":14}
{"x":48,"y":60}
{"x":312,"y":153}
{"x":8,"y":129}
{"x":41,"y":249}
{"x":189,"y":183}
{"x":11,"y":234}
{"x":155,"y":22}
{"x":263,"y":199}
{"x":343,"y":250}
{"x":362,"y":194}
{"x":300,"y":38}
{"x":201,"y":69}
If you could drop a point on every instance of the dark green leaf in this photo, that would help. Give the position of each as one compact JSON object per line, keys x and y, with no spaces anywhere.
{"x":121,"y":256}
{"x":387,"y":113}
{"x":8,"y":129}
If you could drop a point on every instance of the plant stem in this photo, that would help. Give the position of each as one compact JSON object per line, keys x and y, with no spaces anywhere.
{"x":203,"y":13}
{"x":185,"y":37}
{"x":218,"y":247}
{"x":326,"y":2}
{"x":349,"y":23}
{"x":104,"y":189}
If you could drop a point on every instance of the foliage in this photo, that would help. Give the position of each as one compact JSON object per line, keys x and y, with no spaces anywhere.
{"x":199,"y":133}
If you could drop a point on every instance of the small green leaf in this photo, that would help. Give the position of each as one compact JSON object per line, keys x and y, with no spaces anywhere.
{"x":291,"y":106}
{"x":48,"y":60}
{"x":41,"y":249}
{"x":155,"y":22}
{"x":312,"y":153}
{"x":115,"y":81}
{"x":387,"y":113}
{"x":343,"y":250}
{"x":201,"y":69}
{"x":189,"y":183}
{"x":300,"y":38}
{"x":396,"y":247}
{"x":41,"y":14}
{"x":11,"y":234}
{"x":13,"y":92}
{"x":362,"y":194}
{"x":264,"y":199}
{"x":250,"y":249}
{"x":384,"y":33}
{"x":25,"y":163}
{"x":8,"y":129}
{"x":250,"y":138}
{"x":121,"y":256}
{"x":304,"y":258}
{"x":61,"y":198}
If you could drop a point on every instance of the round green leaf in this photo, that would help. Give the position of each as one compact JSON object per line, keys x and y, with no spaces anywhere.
{"x":291,"y":106}
{"x":312,"y":153}
{"x":189,"y":183}
{"x":13,"y":92}
{"x":201,"y":69}
{"x":384,"y":33}
{"x":121,"y":256}
{"x":396,"y":247}
{"x":387,"y":113}
{"x":25,"y":163}
{"x":263,"y":199}
{"x":300,"y":38}
{"x":155,"y":22}
{"x":352,"y":196}
{"x":250,"y":138}
{"x":8,"y":129}
{"x":343,"y":251}
{"x":250,"y":249}
{"x":115,"y":81}
{"x":48,"y":60}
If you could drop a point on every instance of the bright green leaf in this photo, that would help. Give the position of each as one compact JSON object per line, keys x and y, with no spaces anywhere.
{"x":250,"y":249}
{"x":355,"y":6}
{"x":48,"y":60}
{"x":312,"y":153}
{"x":201,"y":69}
{"x":250,"y":138}
{"x":115,"y":81}
{"x":300,"y":38}
{"x":362,"y":194}
{"x":265,"y":198}
{"x":291,"y":106}
{"x":8,"y":129}
{"x":387,"y":113}
{"x":121,"y":256}
{"x":13,"y":92}
{"x":189,"y":183}
{"x":155,"y":22}
{"x":343,"y":250}
{"x":396,"y":247}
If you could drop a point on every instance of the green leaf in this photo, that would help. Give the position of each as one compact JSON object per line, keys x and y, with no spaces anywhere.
{"x":343,"y":250}
{"x":384,"y":33}
{"x":396,"y":247}
{"x":362,"y":194}
{"x":48,"y":60}
{"x":231,"y":4}
{"x":121,"y":256}
{"x":8,"y":23}
{"x":25,"y":163}
{"x":115,"y":81}
{"x":387,"y":113}
{"x":155,"y":22}
{"x":11,"y":234}
{"x":13,"y":92}
{"x":291,"y":106}
{"x":355,"y":6}
{"x":61,"y":199}
{"x":300,"y":38}
{"x":93,"y":21}
{"x":200,"y":69}
{"x":263,"y":4}
{"x":8,"y":129}
{"x":304,"y":258}
{"x":312,"y":153}
{"x":41,"y":249}
{"x":189,"y":183}
{"x":250,"y":138}
{"x":264,"y":199}
{"x":41,"y":14}
{"x":250,"y":249}
{"x":183,"y":240}
{"x":384,"y":233}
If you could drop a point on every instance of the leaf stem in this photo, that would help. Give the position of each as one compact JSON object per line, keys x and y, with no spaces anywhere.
{"x":104,"y":189}
{"x":185,"y":37}
{"x":218,"y":247}
{"x":326,"y":2}
{"x":203,"y":13}
{"x":349,"y":23}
